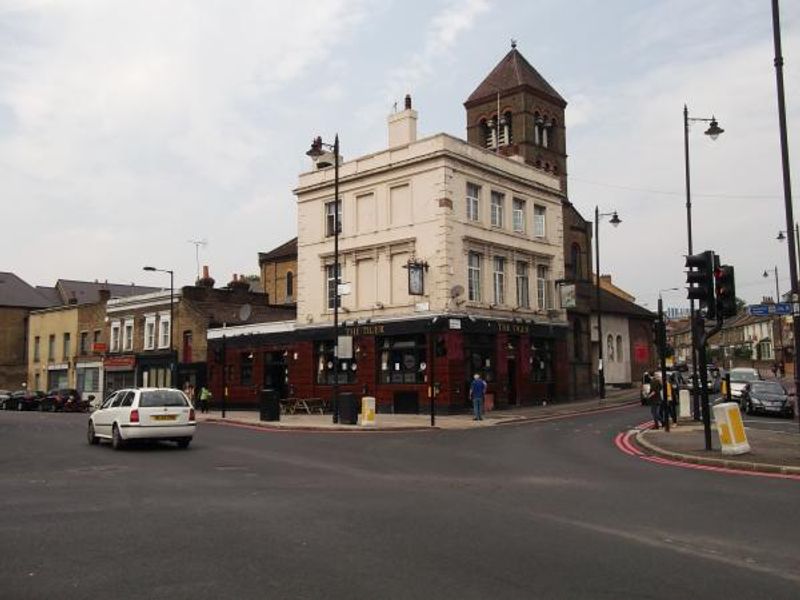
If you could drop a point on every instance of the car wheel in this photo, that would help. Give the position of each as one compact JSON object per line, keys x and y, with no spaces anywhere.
{"x":19,"y":405}
{"x":91,"y":437}
{"x":116,"y":439}
{"x":184,"y":442}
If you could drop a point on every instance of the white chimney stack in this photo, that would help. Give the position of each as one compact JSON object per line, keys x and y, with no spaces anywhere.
{"x":403,"y":125}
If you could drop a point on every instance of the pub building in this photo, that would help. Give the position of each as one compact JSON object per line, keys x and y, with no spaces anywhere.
{"x":444,"y":257}
{"x":393,"y":360}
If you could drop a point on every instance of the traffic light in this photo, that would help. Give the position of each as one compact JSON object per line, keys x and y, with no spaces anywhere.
{"x":725,"y":291}
{"x":700,"y":278}
{"x":440,"y":347}
{"x":659,"y":335}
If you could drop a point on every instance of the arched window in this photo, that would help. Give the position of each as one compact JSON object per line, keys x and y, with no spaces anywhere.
{"x":289,"y":286}
{"x":575,"y":257}
{"x":610,"y":346}
{"x":537,"y":125}
{"x":545,"y":128}
{"x":620,"y":353}
{"x":508,"y":137}
{"x":489,"y":128}
{"x":577,"y":339}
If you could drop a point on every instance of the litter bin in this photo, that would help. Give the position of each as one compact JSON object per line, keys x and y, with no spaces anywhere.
{"x":269,"y":405}
{"x":348,"y":409}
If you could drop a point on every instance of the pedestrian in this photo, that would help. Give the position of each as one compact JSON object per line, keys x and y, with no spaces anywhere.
{"x":205,"y":399}
{"x":672,"y":401}
{"x":655,"y":400}
{"x":774,"y":370}
{"x":190,"y":393}
{"x":477,"y":392}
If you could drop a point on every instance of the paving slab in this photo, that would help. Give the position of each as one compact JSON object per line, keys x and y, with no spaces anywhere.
{"x":398,"y":422}
{"x":771,"y":451}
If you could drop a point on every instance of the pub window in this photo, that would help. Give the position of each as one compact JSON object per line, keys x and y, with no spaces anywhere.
{"x":325,"y":365}
{"x":541,"y":360}
{"x":480,"y":353}
{"x":474,"y":276}
{"x":246,"y":368}
{"x":331,"y":282}
{"x":403,"y":359}
{"x":498,"y":202}
{"x":332,"y":218}
{"x":473,"y":201}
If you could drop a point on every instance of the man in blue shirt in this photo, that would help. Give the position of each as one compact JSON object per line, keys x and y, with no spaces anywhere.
{"x":477,"y":392}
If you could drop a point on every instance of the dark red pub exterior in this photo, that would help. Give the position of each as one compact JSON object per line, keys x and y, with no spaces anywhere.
{"x":523,"y":362}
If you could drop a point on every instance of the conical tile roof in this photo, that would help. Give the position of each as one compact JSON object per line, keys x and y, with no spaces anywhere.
{"x":512,"y":72}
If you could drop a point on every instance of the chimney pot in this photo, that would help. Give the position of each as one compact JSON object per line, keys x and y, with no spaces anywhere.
{"x":205,"y":271}
{"x":408,"y":102}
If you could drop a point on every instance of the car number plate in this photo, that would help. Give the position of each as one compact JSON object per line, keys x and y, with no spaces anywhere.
{"x":163,"y":417}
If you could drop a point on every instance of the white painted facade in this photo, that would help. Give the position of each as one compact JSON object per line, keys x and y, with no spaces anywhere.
{"x":410,"y":202}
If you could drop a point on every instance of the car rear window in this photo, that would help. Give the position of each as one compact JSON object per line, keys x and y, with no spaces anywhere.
{"x":162,"y":398}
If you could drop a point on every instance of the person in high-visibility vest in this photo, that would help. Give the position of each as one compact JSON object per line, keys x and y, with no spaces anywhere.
{"x":205,"y":399}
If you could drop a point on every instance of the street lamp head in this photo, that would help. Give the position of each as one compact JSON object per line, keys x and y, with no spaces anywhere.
{"x":148,"y":268}
{"x":714,"y":129}
{"x":781,"y":236}
{"x":615,"y":220}
{"x":765,"y":273}
{"x":316,"y":148}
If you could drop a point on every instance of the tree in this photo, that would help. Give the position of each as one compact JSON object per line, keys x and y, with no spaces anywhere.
{"x":740,"y":305}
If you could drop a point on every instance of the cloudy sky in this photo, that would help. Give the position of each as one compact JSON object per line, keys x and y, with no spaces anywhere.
{"x":129,"y":128}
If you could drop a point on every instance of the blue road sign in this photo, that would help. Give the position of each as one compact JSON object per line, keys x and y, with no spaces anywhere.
{"x":765,"y":310}
{"x":758,"y":310}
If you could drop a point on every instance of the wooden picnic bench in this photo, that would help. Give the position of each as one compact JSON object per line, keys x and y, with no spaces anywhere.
{"x":290,"y":406}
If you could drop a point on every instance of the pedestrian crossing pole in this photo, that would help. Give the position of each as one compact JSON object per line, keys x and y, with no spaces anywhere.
{"x":662,"y":353}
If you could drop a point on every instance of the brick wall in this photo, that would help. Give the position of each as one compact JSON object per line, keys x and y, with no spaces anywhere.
{"x":13,"y":344}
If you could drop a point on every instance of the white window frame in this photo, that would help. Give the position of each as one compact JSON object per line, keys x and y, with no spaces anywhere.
{"x":498,"y":208}
{"x":518,"y":215}
{"x":116,"y":336}
{"x":164,"y":331}
{"x":149,"y":332}
{"x":543,"y":297}
{"x":127,"y":335}
{"x":331,"y":292}
{"x":539,"y":221}
{"x":473,"y":202}
{"x":499,"y":280}
{"x":474,"y":261}
{"x":329,"y":225}
{"x":523,"y":285}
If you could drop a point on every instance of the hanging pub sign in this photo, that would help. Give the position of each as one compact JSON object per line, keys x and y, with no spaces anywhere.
{"x":416,"y":277}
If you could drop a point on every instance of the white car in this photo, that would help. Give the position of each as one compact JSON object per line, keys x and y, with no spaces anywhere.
{"x":741,"y":377}
{"x":144,"y":413}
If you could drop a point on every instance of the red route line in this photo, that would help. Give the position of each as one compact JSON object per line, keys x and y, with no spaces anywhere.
{"x":624,"y":444}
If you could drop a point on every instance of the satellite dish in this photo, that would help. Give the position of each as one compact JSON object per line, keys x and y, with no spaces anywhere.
{"x":245,"y":311}
{"x":456,"y":291}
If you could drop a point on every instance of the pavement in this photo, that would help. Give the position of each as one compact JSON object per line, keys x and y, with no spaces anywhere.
{"x":545,"y":509}
{"x":403,"y":422}
{"x":772,"y":450}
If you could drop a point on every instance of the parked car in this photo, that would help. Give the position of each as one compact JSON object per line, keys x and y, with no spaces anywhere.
{"x":4,"y":395}
{"x":740,"y":378}
{"x":769,"y":397}
{"x":145,"y":413}
{"x":64,"y":399}
{"x":24,"y":400}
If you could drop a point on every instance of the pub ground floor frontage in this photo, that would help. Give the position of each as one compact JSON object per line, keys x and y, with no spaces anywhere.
{"x":399,"y":362}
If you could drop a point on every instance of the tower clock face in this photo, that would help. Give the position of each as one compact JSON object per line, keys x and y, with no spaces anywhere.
{"x":416,"y":284}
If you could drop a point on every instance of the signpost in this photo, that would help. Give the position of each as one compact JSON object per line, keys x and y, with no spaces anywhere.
{"x":766,"y":310}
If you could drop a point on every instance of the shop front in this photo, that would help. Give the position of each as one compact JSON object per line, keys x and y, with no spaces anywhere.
{"x":118,"y":372}
{"x":400,"y":363}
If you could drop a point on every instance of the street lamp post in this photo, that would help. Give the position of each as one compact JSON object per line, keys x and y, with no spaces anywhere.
{"x":172,"y":351}
{"x":315,"y":152}
{"x":787,"y":186}
{"x":615,"y":221}
{"x":778,"y":318}
{"x":713,"y":132}
{"x":782,"y":236}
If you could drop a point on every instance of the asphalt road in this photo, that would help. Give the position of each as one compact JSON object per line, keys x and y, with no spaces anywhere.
{"x":548,"y":510}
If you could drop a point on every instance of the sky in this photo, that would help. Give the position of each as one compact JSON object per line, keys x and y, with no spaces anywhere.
{"x":129,"y":129}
